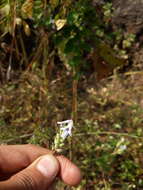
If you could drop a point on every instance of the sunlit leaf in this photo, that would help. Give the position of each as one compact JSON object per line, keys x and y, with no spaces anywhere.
{"x":4,"y":11}
{"x":26,"y":29}
{"x":27,"y":9}
{"x":60,"y":23}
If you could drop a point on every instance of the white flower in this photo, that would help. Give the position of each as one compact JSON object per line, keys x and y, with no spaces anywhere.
{"x":65,"y":128}
{"x":123,"y":147}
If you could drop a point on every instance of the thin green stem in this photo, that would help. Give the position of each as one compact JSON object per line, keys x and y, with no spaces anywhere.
{"x":108,"y":133}
{"x":15,"y":138}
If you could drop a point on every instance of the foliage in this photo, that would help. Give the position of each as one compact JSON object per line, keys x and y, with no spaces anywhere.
{"x":67,"y":30}
{"x":45,"y":46}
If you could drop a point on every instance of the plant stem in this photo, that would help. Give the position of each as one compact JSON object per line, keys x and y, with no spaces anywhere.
{"x":74,"y":106}
{"x":108,"y":133}
{"x":16,"y":138}
{"x":74,"y":101}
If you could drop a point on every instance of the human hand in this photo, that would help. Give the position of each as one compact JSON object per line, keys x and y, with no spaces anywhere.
{"x":30,"y":167}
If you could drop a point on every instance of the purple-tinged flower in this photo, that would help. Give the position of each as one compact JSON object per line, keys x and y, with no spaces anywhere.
{"x":65,"y":128}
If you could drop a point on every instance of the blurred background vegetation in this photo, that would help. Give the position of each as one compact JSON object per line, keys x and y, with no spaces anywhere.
{"x":62,"y":59}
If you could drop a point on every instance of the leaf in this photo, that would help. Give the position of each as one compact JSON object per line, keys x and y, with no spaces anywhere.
{"x":54,"y":3}
{"x":75,"y":61}
{"x":27,"y":9}
{"x":109,"y":55}
{"x":73,"y":46}
{"x":4,"y":11}
{"x":58,"y":40}
{"x":26,"y":29}
{"x":3,"y":3}
{"x":60,"y":23}
{"x":72,"y":17}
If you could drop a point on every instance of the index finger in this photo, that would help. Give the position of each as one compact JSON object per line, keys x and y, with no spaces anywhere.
{"x":14,"y":158}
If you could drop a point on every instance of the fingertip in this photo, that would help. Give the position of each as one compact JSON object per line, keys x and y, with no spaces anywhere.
{"x":69,"y":172}
{"x":48,"y":166}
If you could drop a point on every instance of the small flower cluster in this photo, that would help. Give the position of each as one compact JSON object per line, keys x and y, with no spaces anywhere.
{"x":65,"y":130}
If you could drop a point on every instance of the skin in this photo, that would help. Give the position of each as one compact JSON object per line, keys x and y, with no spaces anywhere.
{"x":16,"y":158}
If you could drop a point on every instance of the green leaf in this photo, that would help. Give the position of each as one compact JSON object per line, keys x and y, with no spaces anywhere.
{"x":70,"y":46}
{"x":75,"y":61}
{"x":57,"y":39}
{"x":72,"y":17}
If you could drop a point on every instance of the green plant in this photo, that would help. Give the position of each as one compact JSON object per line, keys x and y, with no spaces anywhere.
{"x":45,"y":49}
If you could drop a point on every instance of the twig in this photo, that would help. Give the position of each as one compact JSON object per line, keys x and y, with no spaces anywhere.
{"x":74,"y":108}
{"x":13,"y":25}
{"x":108,"y":133}
{"x":133,"y":73}
{"x":126,"y":74}
{"x":23,"y":48}
{"x":74,"y":101}
{"x":16,"y":138}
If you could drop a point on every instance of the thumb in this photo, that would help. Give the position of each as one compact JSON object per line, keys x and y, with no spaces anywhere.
{"x":41,"y":173}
